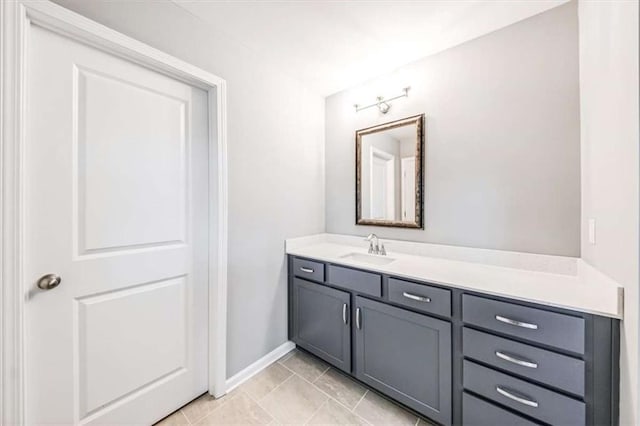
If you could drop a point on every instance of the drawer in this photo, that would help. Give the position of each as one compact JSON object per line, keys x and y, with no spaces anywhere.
{"x":358,"y":281}
{"x":536,"y":325}
{"x":308,"y":269}
{"x":534,"y":401}
{"x":560,"y":371}
{"x":420,"y":297}
{"x":477,"y":412}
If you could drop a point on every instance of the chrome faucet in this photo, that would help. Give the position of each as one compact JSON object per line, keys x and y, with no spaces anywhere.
{"x":377,"y":248}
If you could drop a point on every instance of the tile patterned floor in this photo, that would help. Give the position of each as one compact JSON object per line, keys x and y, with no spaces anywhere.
{"x":297,"y":389}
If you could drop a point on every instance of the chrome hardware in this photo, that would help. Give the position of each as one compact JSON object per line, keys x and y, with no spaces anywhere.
{"x":416,"y":298}
{"x":307,"y":270}
{"x":517,"y":361}
{"x":375,"y":247}
{"x":49,"y":282}
{"x":516,"y":323}
{"x":344,"y":313}
{"x":358,"y":323}
{"x":522,"y":400}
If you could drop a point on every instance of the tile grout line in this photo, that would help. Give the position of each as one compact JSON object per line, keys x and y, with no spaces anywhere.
{"x":274,"y":389}
{"x":361,"y":398}
{"x":255,"y":401}
{"x":313,"y":385}
{"x":273,"y":418}
{"x":226,"y":397}
{"x":306,"y":422}
{"x":325,"y":393}
{"x":184,"y":415}
{"x":258,"y":401}
{"x":286,"y":356}
{"x":293,"y":374}
{"x":336,"y":399}
{"x":351,"y":410}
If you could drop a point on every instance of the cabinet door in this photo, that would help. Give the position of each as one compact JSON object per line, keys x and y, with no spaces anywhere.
{"x":321,"y":317}
{"x":406,"y":356}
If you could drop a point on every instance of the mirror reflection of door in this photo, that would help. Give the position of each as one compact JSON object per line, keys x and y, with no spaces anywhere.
{"x":408,"y":172}
{"x":382,"y":184}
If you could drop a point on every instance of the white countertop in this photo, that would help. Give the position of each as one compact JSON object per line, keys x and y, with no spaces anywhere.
{"x":558,"y":281}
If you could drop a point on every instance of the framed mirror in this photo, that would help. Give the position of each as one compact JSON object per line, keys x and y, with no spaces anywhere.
{"x":389,"y":170}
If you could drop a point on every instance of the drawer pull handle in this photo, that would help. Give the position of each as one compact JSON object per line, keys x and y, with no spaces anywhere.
{"x":307,"y":270}
{"x":516,"y":323}
{"x":344,"y":313}
{"x":511,"y":395}
{"x":517,"y":361}
{"x":358,"y":321}
{"x":416,"y":298}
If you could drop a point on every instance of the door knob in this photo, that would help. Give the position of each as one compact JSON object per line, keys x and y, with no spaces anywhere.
{"x":49,"y":282}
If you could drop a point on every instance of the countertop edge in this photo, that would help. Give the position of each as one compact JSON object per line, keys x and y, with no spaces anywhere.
{"x":586,"y":275}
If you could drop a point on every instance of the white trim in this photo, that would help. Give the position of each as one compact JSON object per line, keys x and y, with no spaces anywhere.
{"x":15,"y":19}
{"x":244,"y":375}
{"x":219,"y":234}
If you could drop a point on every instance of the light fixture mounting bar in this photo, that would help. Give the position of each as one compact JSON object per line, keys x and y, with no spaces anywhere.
{"x":380,"y":100}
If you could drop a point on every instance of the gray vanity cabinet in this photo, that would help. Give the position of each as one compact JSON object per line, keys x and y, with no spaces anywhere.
{"x":405,"y":355}
{"x":321,"y":322}
{"x":457,"y":357}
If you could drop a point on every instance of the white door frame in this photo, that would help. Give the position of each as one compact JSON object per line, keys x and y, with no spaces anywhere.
{"x":15,"y":21}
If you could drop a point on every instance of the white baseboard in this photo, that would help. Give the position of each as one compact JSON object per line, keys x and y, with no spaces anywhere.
{"x":244,"y":375}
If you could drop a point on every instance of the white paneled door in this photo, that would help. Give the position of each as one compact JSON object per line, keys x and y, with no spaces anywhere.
{"x":116,"y":190}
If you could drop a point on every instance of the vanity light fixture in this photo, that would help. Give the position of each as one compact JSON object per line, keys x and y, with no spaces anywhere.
{"x":382,"y":103}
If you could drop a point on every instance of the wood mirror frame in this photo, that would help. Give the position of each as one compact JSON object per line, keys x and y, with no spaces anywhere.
{"x":418,"y":122}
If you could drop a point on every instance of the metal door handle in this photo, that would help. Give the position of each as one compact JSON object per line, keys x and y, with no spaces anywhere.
{"x":511,"y":395}
{"x":516,"y":323}
{"x":49,"y":282}
{"x":517,"y":361}
{"x":344,"y":313}
{"x":358,"y":320}
{"x":307,"y":270}
{"x":416,"y":297}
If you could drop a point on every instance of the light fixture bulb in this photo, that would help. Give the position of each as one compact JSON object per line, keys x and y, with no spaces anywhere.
{"x":383,"y":107}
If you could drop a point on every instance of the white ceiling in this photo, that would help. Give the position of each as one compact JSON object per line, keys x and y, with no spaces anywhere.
{"x":332,"y":45}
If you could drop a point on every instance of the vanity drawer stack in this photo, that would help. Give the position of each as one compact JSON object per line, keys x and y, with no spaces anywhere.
{"x":457,"y":357}
{"x":535,"y":368}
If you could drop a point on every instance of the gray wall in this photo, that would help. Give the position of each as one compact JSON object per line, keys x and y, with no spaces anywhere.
{"x":275,"y":176}
{"x":609,"y":111}
{"x":502,"y":140}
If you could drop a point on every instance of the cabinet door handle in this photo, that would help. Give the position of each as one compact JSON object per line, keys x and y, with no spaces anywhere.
{"x":416,"y":297}
{"x":517,"y":361}
{"x":307,"y":270}
{"x":358,"y":320}
{"x":512,"y":395}
{"x":516,"y":323}
{"x":344,"y":313}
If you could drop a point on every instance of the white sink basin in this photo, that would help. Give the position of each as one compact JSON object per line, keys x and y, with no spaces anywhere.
{"x":371,"y":259}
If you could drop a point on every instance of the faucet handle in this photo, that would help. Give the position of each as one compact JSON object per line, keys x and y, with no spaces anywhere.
{"x":370,"y":247}
{"x":383,"y":252}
